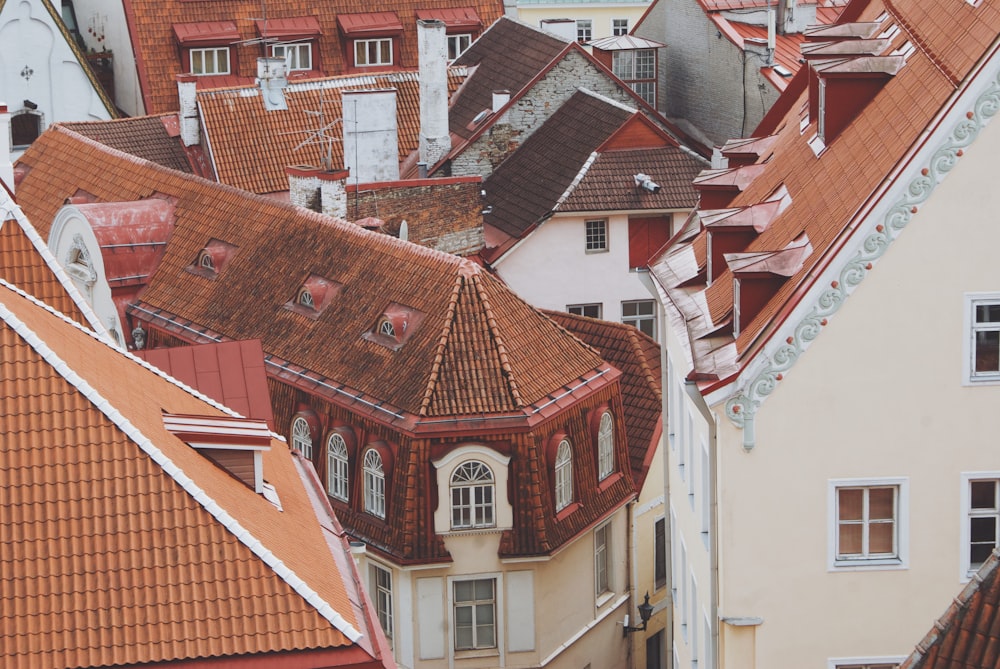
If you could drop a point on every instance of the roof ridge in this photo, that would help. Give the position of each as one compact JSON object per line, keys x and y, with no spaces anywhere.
{"x":167,"y":465}
{"x":640,"y":353}
{"x":442,"y":345}
{"x":587,"y":164}
{"x":494,"y":328}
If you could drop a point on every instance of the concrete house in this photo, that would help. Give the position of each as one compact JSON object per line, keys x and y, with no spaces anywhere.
{"x":160,"y":528}
{"x":832,"y":351}
{"x":475,"y":451}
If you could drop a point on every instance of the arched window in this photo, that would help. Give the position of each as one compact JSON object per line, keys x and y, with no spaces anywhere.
{"x":206,"y":261}
{"x":564,"y":475}
{"x":336,"y":467}
{"x":374,"y":484}
{"x":302,"y":437}
{"x":306,"y":298}
{"x":386,"y":328}
{"x":605,"y":447}
{"x":472,"y":496}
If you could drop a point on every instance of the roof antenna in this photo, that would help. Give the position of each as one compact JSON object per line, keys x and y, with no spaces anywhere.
{"x":320,"y":136}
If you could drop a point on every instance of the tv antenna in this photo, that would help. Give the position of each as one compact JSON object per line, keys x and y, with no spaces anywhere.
{"x":320,"y":135}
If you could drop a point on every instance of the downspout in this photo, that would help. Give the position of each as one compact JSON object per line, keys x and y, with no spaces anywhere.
{"x":632,"y":577}
{"x":668,"y":549}
{"x":711,"y":419}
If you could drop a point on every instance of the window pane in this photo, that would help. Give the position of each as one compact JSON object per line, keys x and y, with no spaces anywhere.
{"x":988,"y":313}
{"x":463,"y":591}
{"x":850,"y":502}
{"x":850,"y":540}
{"x":983,"y":530}
{"x":197,"y":62}
{"x":880,"y":504}
{"x":979,"y":553}
{"x":880,"y":538}
{"x":983,"y":494}
{"x":988,"y":351}
{"x":223,"y":61}
{"x":385,"y":46}
{"x":484,"y":589}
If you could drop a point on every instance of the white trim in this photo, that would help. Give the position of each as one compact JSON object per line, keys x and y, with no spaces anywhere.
{"x":161,"y":459}
{"x":969,"y":302}
{"x":902,"y":521}
{"x":964,"y":572}
{"x":835,"y":662}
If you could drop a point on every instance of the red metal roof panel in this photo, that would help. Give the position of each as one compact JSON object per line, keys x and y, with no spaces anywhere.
{"x":296,"y":26}
{"x":206,"y":32}
{"x":374,"y":23}
{"x":455,"y":18}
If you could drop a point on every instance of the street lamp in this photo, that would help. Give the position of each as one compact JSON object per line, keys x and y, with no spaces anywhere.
{"x":645,"y":611}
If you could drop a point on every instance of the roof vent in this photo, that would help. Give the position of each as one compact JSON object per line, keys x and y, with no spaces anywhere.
{"x":839,"y":89}
{"x":234,"y":444}
{"x":717,"y":188}
{"x":743,"y":152}
{"x":212,"y":259}
{"x":731,"y":231}
{"x":313,"y":296}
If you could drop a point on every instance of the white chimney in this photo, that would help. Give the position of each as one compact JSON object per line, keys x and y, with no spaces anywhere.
{"x":371,"y":136}
{"x":6,"y":166}
{"x":500,"y":98}
{"x":432,"y":46}
{"x":333,"y":193}
{"x":564,"y":29}
{"x":272,"y":79}
{"x":303,"y":186}
{"x":187,"y":115}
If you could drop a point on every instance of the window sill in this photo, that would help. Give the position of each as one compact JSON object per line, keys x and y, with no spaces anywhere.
{"x":981,"y":380}
{"x":609,"y":481}
{"x":604,"y":598}
{"x":882,"y":564}
{"x":568,"y":510}
{"x":476,"y":652}
{"x":589,"y":251}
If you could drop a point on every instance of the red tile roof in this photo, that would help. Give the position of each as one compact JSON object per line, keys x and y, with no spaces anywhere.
{"x":159,"y":57}
{"x":475,"y":351}
{"x":123,"y":544}
{"x":827,"y":191}
{"x":251,"y":146}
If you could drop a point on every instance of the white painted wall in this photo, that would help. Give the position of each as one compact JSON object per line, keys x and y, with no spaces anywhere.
{"x":107,"y":18}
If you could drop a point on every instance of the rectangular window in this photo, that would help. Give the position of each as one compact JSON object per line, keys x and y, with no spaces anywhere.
{"x":589,"y":310}
{"x":211,"y":60}
{"x":660,"y":553}
{"x":641,"y":314}
{"x":584,"y":30}
{"x":475,"y":614}
{"x":602,"y":544}
{"x":706,"y":499}
{"x":597,"y":235}
{"x":645,"y":90}
{"x":869,"y":522}
{"x":982,"y":338}
{"x":981,"y":519}
{"x":369,"y":52}
{"x":297,"y":56}
{"x":457,"y":44}
{"x":381,"y":593}
{"x":619,"y":27}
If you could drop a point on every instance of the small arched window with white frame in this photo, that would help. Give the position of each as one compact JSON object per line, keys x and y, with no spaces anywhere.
{"x":302,"y":437}
{"x":337,"y":467}
{"x":374,"y":479}
{"x":472,"y":495}
{"x":605,"y":446}
{"x":564,"y":475}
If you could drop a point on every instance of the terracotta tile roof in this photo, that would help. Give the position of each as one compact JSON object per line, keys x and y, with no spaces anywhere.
{"x":232,"y":373}
{"x":158,"y":56}
{"x":580,"y":175}
{"x":827,"y":192}
{"x":498,"y":67}
{"x":474,"y":350}
{"x":967,"y":636}
{"x":638,"y":358}
{"x":143,"y":136}
{"x":252,"y":146}
{"x":123,"y":545}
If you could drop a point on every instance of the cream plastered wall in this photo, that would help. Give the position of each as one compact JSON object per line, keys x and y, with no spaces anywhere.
{"x":877,"y":394}
{"x":600,"y":15}
{"x":649,"y":508}
{"x":551,"y":268}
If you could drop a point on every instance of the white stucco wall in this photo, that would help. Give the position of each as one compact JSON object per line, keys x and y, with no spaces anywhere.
{"x":107,"y":18}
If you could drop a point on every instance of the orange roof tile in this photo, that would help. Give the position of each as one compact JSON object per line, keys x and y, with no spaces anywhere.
{"x":123,"y":544}
{"x":159,"y":58}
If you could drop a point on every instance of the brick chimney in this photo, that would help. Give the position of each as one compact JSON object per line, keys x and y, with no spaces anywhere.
{"x":317,"y":189}
{"x":187,"y":115}
{"x":333,"y":193}
{"x":432,"y":44}
{"x":371,"y":136}
{"x":6,"y":166}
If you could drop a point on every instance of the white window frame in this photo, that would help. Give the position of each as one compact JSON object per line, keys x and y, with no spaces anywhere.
{"x":843,"y":662}
{"x":374,"y":475}
{"x":377,"y":41}
{"x":293,"y":52}
{"x":969,"y":329}
{"x":581,"y":309}
{"x":337,"y":467}
{"x":966,"y":569}
{"x":473,"y":499}
{"x":660,"y":553}
{"x":564,"y":475}
{"x":302,"y":437}
{"x":901,"y":560}
{"x":380,"y":588}
{"x":596,"y":235}
{"x":619,"y":30}
{"x":458,"y":44}
{"x":584,"y":30}
{"x":605,"y":447}
{"x":602,"y":562}
{"x":474,"y":604}
{"x":214,"y":51}
{"x":636,"y":319}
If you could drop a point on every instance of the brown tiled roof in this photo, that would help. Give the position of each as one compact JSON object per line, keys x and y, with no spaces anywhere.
{"x":638,"y":357}
{"x":967,"y":636}
{"x":143,"y":136}
{"x":123,"y":545}
{"x":828,"y":191}
{"x":158,"y":56}
{"x":500,"y":67}
{"x":475,"y":348}
{"x":252,"y":146}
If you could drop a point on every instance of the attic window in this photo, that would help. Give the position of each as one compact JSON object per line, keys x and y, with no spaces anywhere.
{"x":212,"y":259}
{"x":233,"y":444}
{"x":313,"y":296}
{"x":394,"y":326}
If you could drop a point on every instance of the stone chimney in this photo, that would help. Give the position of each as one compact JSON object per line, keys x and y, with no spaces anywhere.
{"x":333,"y":193}
{"x":187,"y":116}
{"x":432,"y":45}
{"x":371,"y":136}
{"x":6,"y":166}
{"x":564,"y":29}
{"x":319,"y":190}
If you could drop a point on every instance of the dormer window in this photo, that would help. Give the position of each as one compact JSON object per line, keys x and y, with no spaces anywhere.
{"x":394,"y":326}
{"x":305,"y":298}
{"x":79,"y":266}
{"x":313,"y":296}
{"x":564,"y":475}
{"x":472,"y":490}
{"x":206,"y":46}
{"x":374,"y":475}
{"x":297,"y":56}
{"x":605,"y":446}
{"x":234,"y":444}
{"x":294,"y":38}
{"x":212,"y":259}
{"x":371,"y":39}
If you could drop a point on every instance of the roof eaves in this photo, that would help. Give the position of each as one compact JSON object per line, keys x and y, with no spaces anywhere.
{"x":160,"y":458}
